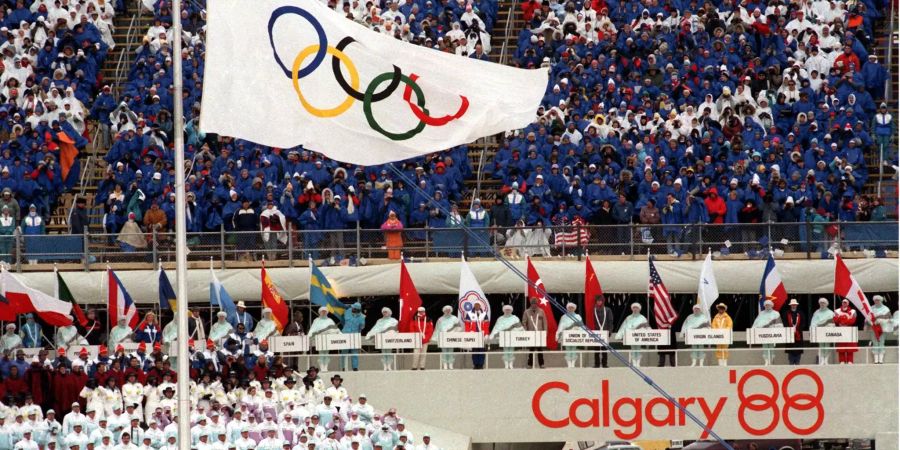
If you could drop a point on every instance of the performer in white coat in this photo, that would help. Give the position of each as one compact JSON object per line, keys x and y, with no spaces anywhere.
{"x":569,"y":322}
{"x":695,"y":321}
{"x":384,"y":325}
{"x":634,"y":321}
{"x":323,"y":325}
{"x":883,"y":319}
{"x":506,"y":322}
{"x":446,"y":323}
{"x":768,"y":318}
{"x":823,"y":318}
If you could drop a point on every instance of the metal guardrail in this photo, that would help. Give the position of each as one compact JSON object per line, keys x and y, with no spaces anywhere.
{"x":809,"y":240}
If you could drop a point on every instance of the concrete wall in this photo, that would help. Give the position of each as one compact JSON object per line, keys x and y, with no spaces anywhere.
{"x":555,"y":405}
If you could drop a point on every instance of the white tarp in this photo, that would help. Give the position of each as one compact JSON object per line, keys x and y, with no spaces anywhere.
{"x":285,"y":73}
{"x":734,"y":277}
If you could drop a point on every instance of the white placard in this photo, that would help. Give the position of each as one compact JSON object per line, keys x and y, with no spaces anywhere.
{"x":461,"y":339}
{"x":831,"y":335}
{"x":130,"y":347}
{"x":337,"y":341}
{"x":72,"y":351}
{"x":773,"y":335}
{"x":520,"y":339}
{"x":708,"y":336}
{"x":583,"y":339}
{"x":289,"y":344}
{"x":30,"y":352}
{"x":398,"y":341}
{"x":646,"y":336}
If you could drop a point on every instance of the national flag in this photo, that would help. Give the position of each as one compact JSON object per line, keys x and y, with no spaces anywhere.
{"x":409,"y":299}
{"x":707,"y":288}
{"x":662,"y":304}
{"x":7,"y":314}
{"x":336,"y":86}
{"x":322,"y":294}
{"x":24,"y":299}
{"x":63,"y":293}
{"x":535,"y":289}
{"x":272,"y":299}
{"x":68,"y":154}
{"x":470,"y":293}
{"x":592,"y":289}
{"x":771,"y":287}
{"x":847,"y":287}
{"x":218,"y":296}
{"x":119,"y":302}
{"x":166,"y":293}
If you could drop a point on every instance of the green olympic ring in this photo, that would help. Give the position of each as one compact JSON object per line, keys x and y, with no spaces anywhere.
{"x":367,"y":106}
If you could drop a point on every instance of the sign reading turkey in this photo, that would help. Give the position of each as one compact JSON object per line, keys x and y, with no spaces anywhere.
{"x":761,"y":400}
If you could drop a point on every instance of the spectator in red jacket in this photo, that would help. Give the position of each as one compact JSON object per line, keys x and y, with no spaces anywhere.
{"x":15,"y":385}
{"x":845,"y":59}
{"x":715,"y":205}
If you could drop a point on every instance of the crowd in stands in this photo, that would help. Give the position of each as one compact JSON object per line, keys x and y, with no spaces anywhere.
{"x":676,"y":113}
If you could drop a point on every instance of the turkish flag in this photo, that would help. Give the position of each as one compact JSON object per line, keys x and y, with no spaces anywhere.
{"x":536,"y":290}
{"x":409,"y":299}
{"x":592,"y":290}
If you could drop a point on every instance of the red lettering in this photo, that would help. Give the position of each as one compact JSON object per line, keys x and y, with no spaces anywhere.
{"x":536,"y":404}
{"x":593,"y":404}
{"x":684,"y":401}
{"x":604,"y":391}
{"x":668,"y":419}
{"x":711,"y":416}
{"x":635,"y":422}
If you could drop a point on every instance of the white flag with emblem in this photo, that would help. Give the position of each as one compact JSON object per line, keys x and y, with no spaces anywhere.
{"x":708,"y":290}
{"x":287,"y":72}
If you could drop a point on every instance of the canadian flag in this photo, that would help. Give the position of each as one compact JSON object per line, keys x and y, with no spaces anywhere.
{"x":536,"y":290}
{"x":847,"y":287}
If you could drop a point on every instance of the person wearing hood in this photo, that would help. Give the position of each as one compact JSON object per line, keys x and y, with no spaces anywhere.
{"x":7,"y":230}
{"x":722,"y":321}
{"x":768,"y":318}
{"x":506,"y":322}
{"x":697,"y":320}
{"x":569,"y":321}
{"x":386,"y":324}
{"x":883,"y":320}
{"x":131,"y":238}
{"x":354,"y":322}
{"x":445,"y":324}
{"x":823,"y":318}
{"x":322,"y":325}
{"x":272,"y":221}
{"x":634,"y":321}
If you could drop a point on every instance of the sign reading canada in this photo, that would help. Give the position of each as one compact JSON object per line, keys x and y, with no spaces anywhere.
{"x":775,"y":402}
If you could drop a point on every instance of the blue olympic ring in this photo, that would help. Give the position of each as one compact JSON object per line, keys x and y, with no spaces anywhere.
{"x":323,"y":40}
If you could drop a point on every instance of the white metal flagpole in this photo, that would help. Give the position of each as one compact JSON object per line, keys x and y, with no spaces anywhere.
{"x":184,"y":401}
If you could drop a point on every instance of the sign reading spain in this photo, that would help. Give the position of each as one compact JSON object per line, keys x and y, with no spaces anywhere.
{"x":286,"y":72}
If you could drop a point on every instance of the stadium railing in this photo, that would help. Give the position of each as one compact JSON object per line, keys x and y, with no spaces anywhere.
{"x":805,"y":240}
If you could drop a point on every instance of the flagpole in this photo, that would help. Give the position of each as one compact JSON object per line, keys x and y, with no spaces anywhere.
{"x":648,"y":290}
{"x":184,"y":401}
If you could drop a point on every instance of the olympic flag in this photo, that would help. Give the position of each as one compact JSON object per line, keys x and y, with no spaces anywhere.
{"x":288,"y":72}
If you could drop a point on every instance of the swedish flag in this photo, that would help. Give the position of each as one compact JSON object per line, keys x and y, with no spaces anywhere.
{"x":322,"y":294}
{"x":166,"y":293}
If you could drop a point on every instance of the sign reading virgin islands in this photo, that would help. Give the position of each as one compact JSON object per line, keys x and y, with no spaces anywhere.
{"x":777,"y":402}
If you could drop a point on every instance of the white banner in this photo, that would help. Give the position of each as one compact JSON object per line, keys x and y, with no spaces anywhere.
{"x":308,"y":75}
{"x":520,"y":339}
{"x":774,"y":335}
{"x":582,"y":338}
{"x":131,"y":347}
{"x":337,"y":341}
{"x":461,"y":340}
{"x":708,"y":336}
{"x":832,"y":335}
{"x":31,"y":352}
{"x":646,"y":336}
{"x":399,"y":341}
{"x":289,"y":344}
{"x":72,"y":351}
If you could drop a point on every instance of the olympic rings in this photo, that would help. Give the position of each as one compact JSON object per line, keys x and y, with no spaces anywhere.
{"x":367,"y":107}
{"x":351,"y":89}
{"x":295,"y":77}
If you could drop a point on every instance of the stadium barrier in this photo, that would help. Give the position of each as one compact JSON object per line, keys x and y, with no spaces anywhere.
{"x":802,"y":240}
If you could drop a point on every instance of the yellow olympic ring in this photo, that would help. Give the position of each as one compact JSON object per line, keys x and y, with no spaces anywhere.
{"x":354,"y":81}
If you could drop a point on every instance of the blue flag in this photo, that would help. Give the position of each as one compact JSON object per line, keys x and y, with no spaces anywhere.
{"x":322,"y":294}
{"x":218,"y":296}
{"x":166,"y":293}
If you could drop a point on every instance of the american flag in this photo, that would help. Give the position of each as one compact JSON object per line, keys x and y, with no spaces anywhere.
{"x":662,"y":304}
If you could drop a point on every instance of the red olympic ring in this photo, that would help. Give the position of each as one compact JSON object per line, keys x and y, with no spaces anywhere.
{"x":423,"y":114}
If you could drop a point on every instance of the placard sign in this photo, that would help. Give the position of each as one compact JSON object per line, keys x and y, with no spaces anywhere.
{"x":130,"y":347}
{"x":520,"y":339}
{"x":646,"y":336}
{"x":830,"y":335}
{"x":708,"y":336}
{"x":199,"y":346}
{"x":289,"y":344}
{"x":30,"y":352}
{"x":461,"y":339}
{"x":773,"y":335}
{"x":583,"y":339}
{"x":398,"y":341}
{"x":72,"y":351}
{"x":337,"y":341}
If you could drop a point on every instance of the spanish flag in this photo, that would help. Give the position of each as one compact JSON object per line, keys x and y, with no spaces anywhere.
{"x":272,"y":299}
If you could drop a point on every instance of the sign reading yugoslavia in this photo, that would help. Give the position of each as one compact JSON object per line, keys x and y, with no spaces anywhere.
{"x":585,"y":404}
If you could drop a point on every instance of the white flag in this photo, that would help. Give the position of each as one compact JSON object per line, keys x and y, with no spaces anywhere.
{"x":287,"y":72}
{"x":470,"y":293}
{"x":708,"y":290}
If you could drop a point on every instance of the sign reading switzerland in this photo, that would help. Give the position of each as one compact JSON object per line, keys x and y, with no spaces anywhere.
{"x":775,"y":402}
